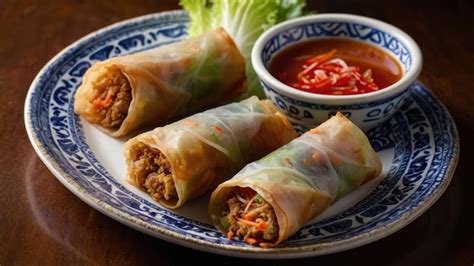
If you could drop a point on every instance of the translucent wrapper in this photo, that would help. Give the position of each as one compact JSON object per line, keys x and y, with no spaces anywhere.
{"x":207,"y":148}
{"x":126,"y":93}
{"x":301,"y":179}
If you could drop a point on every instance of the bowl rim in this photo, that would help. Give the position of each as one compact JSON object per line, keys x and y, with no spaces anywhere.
{"x":407,"y":79}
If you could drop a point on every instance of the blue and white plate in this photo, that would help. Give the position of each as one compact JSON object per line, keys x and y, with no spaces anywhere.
{"x":419,"y":148}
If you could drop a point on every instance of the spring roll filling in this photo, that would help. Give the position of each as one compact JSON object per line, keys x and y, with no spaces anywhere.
{"x":249,"y":217}
{"x":152,"y":170}
{"x":111,"y":98}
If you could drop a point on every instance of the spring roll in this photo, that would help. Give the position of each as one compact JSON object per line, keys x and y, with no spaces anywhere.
{"x":186,"y":159}
{"x":126,"y":93}
{"x":272,"y":198}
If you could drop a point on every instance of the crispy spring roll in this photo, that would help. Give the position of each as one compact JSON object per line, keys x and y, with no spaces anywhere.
{"x":185,"y":159}
{"x":126,"y":93}
{"x":271,"y":199}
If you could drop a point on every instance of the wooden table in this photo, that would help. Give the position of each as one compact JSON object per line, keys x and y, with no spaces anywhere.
{"x":41,"y":222}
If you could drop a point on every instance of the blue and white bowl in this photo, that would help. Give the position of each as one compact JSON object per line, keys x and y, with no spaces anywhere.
{"x":307,"y":110}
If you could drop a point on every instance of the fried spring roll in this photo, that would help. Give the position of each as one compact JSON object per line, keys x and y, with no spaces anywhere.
{"x":185,"y":159}
{"x":270,"y":199}
{"x":126,"y":93}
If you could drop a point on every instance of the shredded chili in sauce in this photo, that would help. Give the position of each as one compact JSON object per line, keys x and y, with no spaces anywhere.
{"x":335,"y":67}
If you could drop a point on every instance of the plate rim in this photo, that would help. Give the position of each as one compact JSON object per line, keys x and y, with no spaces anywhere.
{"x":237,"y":251}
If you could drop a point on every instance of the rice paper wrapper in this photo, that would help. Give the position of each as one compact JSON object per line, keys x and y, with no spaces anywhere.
{"x":301,"y":179}
{"x":170,"y":81}
{"x":207,"y":148}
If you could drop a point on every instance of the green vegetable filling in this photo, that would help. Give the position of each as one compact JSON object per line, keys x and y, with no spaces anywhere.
{"x":258,"y":199}
{"x":214,"y":137}
{"x":225,"y":222}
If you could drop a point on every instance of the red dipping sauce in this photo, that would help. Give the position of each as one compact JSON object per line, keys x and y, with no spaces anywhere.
{"x":335,"y":67}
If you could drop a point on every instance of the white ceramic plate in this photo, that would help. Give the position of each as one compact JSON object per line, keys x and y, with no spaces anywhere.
{"x":419,"y":148}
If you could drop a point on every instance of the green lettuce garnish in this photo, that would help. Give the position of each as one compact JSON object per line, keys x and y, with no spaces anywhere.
{"x":245,"y":21}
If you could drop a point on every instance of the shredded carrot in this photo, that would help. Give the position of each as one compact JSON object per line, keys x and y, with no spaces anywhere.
{"x":230,"y":235}
{"x":247,"y":222}
{"x":323,"y":57}
{"x":250,"y":215}
{"x":107,"y":101}
{"x":324,"y":74}
{"x":335,"y":161}
{"x":288,"y":161}
{"x":99,"y":104}
{"x":218,"y":129}
{"x":316,"y":157}
{"x":262,"y":226}
{"x":301,"y":75}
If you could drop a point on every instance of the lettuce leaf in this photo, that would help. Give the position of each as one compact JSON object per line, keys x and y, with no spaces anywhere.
{"x":245,"y":21}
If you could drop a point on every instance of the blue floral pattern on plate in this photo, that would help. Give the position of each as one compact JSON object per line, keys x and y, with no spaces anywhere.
{"x":421,"y":136}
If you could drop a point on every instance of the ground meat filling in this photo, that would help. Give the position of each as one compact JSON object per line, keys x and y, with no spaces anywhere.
{"x":152,"y":166}
{"x":111,"y":99}
{"x":250,"y":218}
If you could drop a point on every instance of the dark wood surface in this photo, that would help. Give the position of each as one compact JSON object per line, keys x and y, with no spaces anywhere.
{"x":41,"y":222}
